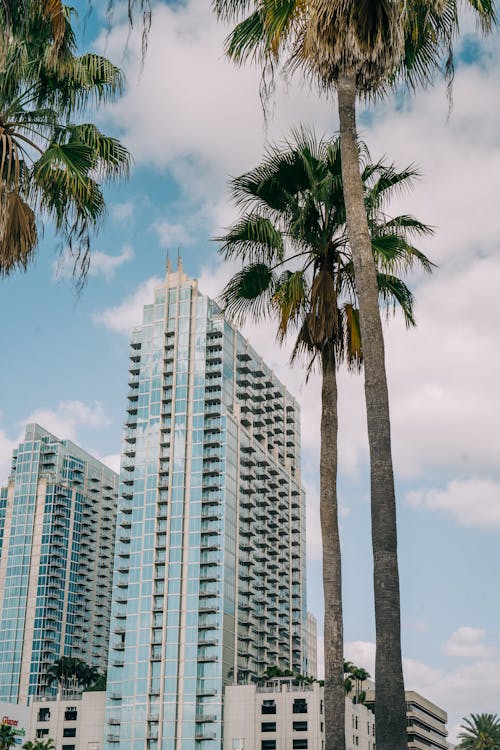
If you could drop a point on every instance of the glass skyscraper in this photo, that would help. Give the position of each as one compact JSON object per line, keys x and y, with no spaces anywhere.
{"x":209,"y":579}
{"x":57,"y":523}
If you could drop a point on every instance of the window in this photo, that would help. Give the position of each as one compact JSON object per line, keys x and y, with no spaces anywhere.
{"x":41,"y":733}
{"x":268,"y":745}
{"x":268,"y":726}
{"x":299,"y":706}
{"x":268,"y":707}
{"x":299,"y":744}
{"x":69,"y":732}
{"x":44,"y":714}
{"x":68,"y":747}
{"x":300,"y":726}
{"x":70,"y":714}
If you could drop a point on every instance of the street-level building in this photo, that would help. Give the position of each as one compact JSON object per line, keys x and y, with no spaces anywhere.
{"x":426,"y":722}
{"x":73,"y":723}
{"x":57,"y":523}
{"x":209,"y":581}
{"x":282,"y":714}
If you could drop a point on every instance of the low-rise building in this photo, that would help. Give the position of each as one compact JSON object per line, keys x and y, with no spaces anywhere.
{"x":73,"y":723}
{"x":285,"y":715}
{"x":426,"y":722}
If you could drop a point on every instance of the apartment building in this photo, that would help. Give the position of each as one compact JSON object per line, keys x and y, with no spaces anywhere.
{"x":57,"y":523}
{"x":209,"y":582}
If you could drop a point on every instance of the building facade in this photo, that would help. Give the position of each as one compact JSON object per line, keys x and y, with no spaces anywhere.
{"x":426,"y":722}
{"x":209,"y":582}
{"x":57,"y":521}
{"x":311,"y":638}
{"x":284,"y":715}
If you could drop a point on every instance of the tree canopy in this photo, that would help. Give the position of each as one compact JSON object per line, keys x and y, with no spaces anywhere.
{"x":52,"y":163}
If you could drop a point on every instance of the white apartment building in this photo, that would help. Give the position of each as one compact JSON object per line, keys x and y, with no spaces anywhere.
{"x":283,"y":715}
{"x":74,"y":723}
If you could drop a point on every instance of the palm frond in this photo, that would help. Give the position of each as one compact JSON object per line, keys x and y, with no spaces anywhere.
{"x":352,"y":349}
{"x":253,"y":238}
{"x":18,"y":232}
{"x":289,"y":300}
{"x":232,"y":10}
{"x":249,"y":293}
{"x":111,"y":158}
{"x":246,"y":39}
{"x":392,"y":292}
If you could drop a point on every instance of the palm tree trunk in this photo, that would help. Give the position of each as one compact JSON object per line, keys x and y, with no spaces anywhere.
{"x":332,"y":579}
{"x":390,"y":709}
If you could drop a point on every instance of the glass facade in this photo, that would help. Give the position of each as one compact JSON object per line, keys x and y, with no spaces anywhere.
{"x":209,"y":578}
{"x":57,"y":519}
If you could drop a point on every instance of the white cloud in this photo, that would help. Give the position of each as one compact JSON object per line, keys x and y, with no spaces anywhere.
{"x":68,"y":416}
{"x":101,"y":264}
{"x":206,"y":122}
{"x":123,"y":317}
{"x":459,"y":691}
{"x":468,"y":643}
{"x":122,"y":211}
{"x":472,"y":502}
{"x":445,"y":403}
{"x":112,"y":460}
{"x":65,"y":421}
{"x":171,"y":236}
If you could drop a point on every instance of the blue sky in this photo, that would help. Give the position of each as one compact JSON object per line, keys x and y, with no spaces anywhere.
{"x":190,"y":120}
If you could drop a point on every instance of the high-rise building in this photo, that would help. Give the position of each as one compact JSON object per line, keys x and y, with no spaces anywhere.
{"x":311,"y":639}
{"x":57,"y":522}
{"x":209,"y":582}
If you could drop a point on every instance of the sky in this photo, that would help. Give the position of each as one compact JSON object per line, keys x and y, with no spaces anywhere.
{"x":192,"y":120}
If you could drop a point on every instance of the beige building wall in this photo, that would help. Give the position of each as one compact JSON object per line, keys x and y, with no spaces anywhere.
{"x":74,"y":724}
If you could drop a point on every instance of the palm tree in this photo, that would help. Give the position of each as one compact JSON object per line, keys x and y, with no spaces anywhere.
{"x":8,"y":737}
{"x":52,"y":164}
{"x":98,"y":684}
{"x":360,"y":675}
{"x":47,"y":744}
{"x":481,"y":732}
{"x":71,"y":673}
{"x":17,"y":16}
{"x":359,"y":49}
{"x":297,"y":265}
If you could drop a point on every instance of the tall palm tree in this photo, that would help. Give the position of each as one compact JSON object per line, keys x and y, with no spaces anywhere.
{"x":52,"y":164}
{"x":8,"y":737}
{"x":360,"y":48}
{"x":481,"y":732}
{"x":297,"y":265}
